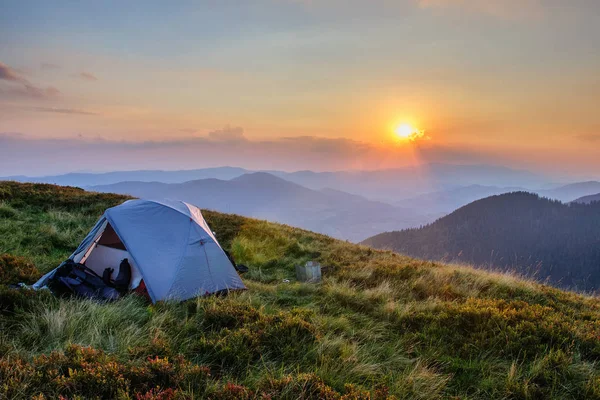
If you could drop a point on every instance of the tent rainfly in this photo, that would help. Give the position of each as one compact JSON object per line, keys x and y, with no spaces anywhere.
{"x":168,"y":244}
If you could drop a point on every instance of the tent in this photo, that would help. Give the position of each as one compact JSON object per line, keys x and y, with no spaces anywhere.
{"x":168,"y":244}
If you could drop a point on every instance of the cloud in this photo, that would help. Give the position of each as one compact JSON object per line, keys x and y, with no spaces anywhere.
{"x":34,"y":91}
{"x":11,"y":136}
{"x":49,"y":66}
{"x":26,"y":155}
{"x":589,"y":137}
{"x":9,"y":74}
{"x":418,"y":135}
{"x":63,"y":110}
{"x":25,"y":87}
{"x":318,"y":145}
{"x":499,"y":8}
{"x":228,"y":134}
{"x":86,"y":76}
{"x":52,"y":91}
{"x":22,"y":154}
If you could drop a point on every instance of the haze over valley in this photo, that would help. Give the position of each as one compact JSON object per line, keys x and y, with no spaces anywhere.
{"x":349,"y":205}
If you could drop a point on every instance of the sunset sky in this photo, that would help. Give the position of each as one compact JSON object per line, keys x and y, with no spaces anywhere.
{"x":299,"y":84}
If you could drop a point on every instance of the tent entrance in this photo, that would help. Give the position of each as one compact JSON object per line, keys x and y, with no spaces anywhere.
{"x":107,"y":252}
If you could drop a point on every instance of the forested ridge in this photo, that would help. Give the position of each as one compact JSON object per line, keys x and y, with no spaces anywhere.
{"x":519,"y":231}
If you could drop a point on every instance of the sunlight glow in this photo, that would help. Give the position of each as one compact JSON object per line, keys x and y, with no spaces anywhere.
{"x":405,"y":131}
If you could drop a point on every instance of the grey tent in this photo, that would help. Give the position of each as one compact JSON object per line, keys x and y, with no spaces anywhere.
{"x":168,"y":244}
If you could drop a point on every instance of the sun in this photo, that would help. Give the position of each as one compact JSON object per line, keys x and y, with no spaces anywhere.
{"x":405,"y":131}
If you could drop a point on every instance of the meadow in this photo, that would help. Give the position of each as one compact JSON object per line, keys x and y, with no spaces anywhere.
{"x":380,"y":325}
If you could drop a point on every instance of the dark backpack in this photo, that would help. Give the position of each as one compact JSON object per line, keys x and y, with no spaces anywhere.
{"x":76,"y":279}
{"x":123,"y":279}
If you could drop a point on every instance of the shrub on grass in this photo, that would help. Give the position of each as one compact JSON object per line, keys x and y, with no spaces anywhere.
{"x":302,"y":386}
{"x":12,"y":300}
{"x":237,"y":335}
{"x":232,"y":391}
{"x":311,"y":386}
{"x":158,"y":347}
{"x":6,"y":211}
{"x":160,"y":394}
{"x":502,"y":328}
{"x":227,"y":315}
{"x":294,"y":387}
{"x":15,"y":269}
{"x":91,"y":373}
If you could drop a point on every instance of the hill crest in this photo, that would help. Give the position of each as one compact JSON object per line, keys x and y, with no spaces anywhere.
{"x":521,"y":231}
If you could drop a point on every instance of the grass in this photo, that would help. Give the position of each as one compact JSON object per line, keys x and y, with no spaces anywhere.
{"x":380,"y":325}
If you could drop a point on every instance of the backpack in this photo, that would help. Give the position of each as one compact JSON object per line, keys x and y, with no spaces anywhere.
{"x":76,"y":279}
{"x":123,"y":278}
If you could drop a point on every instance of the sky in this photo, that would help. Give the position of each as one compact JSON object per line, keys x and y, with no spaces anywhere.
{"x":299,"y":84}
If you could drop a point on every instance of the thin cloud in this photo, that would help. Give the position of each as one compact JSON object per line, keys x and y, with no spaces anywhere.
{"x":289,"y":153}
{"x":590,"y":137}
{"x":11,"y":136}
{"x":511,"y":9}
{"x":418,"y":135}
{"x":25,"y":88}
{"x":49,"y":66}
{"x":20,"y":154}
{"x":86,"y":76}
{"x":9,"y":74}
{"x":63,"y":110}
{"x":52,"y":91}
{"x":228,"y":134}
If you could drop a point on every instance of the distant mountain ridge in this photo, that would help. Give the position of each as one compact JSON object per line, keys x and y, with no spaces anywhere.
{"x":388,"y":185}
{"x":410,"y":196}
{"x":572,"y":191}
{"x":85,"y":179}
{"x":392,"y":185}
{"x":588,"y":199}
{"x":521,"y":231}
{"x":446,"y":201}
{"x":262,"y":195}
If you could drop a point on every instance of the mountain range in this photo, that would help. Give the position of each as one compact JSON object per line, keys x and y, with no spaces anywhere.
{"x":519,"y":231}
{"x":388,"y":185}
{"x":85,"y":179}
{"x":262,"y":195}
{"x":446,"y":201}
{"x":351,"y":205}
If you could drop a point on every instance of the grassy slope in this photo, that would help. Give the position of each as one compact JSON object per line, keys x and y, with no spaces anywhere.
{"x":380,"y":324}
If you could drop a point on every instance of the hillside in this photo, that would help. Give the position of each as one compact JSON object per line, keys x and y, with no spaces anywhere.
{"x":587,"y":199}
{"x":518,"y":231}
{"x":381,"y":325}
{"x":265,"y":196}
